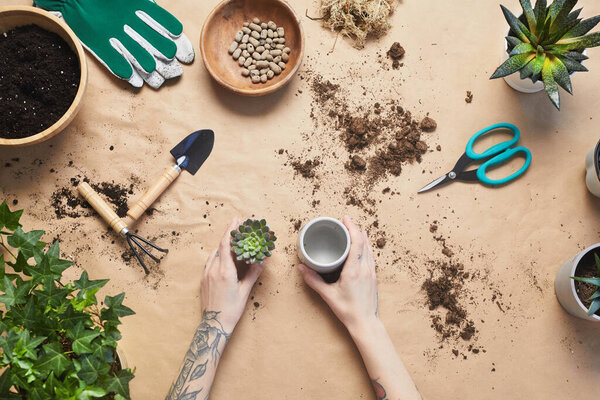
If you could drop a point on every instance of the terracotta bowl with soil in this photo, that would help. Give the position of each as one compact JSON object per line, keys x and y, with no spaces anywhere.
{"x":219,"y":31}
{"x":20,"y":16}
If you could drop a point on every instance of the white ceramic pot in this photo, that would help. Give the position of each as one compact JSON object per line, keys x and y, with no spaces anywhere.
{"x":592,"y":170}
{"x":564,"y":286}
{"x":324,"y":244}
{"x":122,"y":359}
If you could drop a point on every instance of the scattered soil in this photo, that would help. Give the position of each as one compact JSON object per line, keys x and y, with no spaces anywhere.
{"x":469,"y":97}
{"x":395,"y":53}
{"x":586,"y":269}
{"x":443,"y":289}
{"x":428,"y":124}
{"x":306,"y":168}
{"x":39,"y":80}
{"x":381,"y":242}
{"x":67,"y":202}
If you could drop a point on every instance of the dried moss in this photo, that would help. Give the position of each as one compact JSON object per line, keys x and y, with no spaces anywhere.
{"x":358,"y":19}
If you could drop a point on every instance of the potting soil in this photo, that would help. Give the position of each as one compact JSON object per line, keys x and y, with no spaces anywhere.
{"x":39,"y":78}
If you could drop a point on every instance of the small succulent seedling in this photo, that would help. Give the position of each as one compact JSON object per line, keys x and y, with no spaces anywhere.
{"x":595,"y":298}
{"x":253,"y":241}
{"x":547,"y":43}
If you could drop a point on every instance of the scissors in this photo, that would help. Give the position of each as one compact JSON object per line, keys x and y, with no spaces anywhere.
{"x":497,"y":154}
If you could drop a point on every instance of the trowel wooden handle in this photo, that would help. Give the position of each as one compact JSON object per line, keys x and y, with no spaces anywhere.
{"x":101,"y":207}
{"x":154,"y":192}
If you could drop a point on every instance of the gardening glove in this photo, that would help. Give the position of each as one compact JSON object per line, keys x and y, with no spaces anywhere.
{"x":137,"y":40}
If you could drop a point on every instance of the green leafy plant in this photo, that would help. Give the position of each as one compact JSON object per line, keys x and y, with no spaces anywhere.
{"x":547,"y":43}
{"x":253,"y":241}
{"x":55,"y":341}
{"x":595,"y":298}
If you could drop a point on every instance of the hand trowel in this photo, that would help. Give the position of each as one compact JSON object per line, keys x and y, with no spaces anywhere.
{"x":189,"y":155}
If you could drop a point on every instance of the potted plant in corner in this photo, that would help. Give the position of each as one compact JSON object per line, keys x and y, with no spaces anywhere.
{"x":577,"y":284}
{"x":55,"y":341}
{"x":592,"y":170}
{"x":546,"y":45}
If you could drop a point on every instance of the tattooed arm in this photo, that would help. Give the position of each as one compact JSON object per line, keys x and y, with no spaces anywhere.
{"x":353,"y":299}
{"x":224,"y":298}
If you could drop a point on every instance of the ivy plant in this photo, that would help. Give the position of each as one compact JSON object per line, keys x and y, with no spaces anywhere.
{"x":56,"y":341}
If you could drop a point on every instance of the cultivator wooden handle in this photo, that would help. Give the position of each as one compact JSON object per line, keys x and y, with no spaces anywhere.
{"x":153,"y":192}
{"x":105,"y":211}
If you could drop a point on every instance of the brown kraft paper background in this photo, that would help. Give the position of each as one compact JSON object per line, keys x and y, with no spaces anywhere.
{"x":289,"y":345}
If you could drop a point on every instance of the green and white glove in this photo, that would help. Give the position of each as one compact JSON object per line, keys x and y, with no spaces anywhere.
{"x":137,"y":40}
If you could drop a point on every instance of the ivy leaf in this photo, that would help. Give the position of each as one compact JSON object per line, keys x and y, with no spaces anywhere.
{"x":119,"y":383}
{"x":87,"y":288}
{"x":92,"y":392}
{"x":5,"y":385}
{"x":20,"y":264}
{"x":9,"y":219}
{"x":71,"y":317}
{"x":115,"y":303}
{"x":53,"y":359}
{"x":10,"y":297}
{"x":25,"y":242}
{"x":91,"y":369}
{"x":38,"y":393}
{"x":57,"y":266}
{"x":82,"y":339}
{"x":28,"y":316}
{"x":51,"y":294}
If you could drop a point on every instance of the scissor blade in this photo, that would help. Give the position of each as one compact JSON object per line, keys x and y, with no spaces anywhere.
{"x":438,"y":181}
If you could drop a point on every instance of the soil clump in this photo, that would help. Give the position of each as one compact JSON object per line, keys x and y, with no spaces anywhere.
{"x":39,"y":80}
{"x":395,"y":53}
{"x":469,"y":98}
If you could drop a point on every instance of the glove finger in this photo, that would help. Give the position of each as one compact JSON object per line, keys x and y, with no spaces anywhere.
{"x":185,"y":50}
{"x":161,"y":17}
{"x":152,"y":78}
{"x":141,"y":55}
{"x":169,"y":68}
{"x":161,"y":42}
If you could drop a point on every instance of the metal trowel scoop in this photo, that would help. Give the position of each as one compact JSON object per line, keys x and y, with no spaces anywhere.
{"x":189,"y":155}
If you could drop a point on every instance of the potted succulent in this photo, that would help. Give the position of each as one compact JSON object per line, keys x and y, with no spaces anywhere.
{"x":577,"y":284}
{"x":546,"y":45}
{"x":55,"y":341}
{"x":253,"y":241}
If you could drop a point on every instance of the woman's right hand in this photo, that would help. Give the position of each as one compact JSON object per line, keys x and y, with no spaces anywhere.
{"x":353,"y":298}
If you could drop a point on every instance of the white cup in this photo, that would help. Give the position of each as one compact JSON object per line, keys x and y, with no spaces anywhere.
{"x":324,"y":244}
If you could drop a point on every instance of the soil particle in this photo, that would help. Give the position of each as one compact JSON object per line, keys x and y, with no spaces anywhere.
{"x":433,"y":228}
{"x":381,"y":242}
{"x":323,"y":90}
{"x":469,"y":97}
{"x":395,"y":53}
{"x":428,"y":124}
{"x":39,"y":80}
{"x":447,"y":252}
{"x":306,"y":168}
{"x":356,"y":163}
{"x":256,"y":304}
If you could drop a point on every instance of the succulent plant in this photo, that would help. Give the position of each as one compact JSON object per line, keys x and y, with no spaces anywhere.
{"x":546,"y":44}
{"x":253,"y":241}
{"x":595,"y":298}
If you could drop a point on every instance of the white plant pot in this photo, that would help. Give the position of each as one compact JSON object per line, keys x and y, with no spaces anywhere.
{"x":122,"y":359}
{"x":324,"y":244}
{"x":592,"y":170}
{"x":564,"y":286}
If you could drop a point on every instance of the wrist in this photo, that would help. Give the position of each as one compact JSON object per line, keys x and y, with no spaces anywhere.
{"x":366,"y":329}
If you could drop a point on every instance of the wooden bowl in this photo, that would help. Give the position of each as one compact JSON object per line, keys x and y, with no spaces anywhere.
{"x":218,"y":33}
{"x":13,"y":16}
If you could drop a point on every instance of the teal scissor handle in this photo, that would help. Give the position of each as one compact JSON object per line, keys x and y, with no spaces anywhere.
{"x":495,"y":149}
{"x":500,"y":158}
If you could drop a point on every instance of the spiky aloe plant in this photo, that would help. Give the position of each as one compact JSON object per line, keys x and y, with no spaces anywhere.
{"x":546,"y":44}
{"x":595,"y":298}
{"x":253,"y":241}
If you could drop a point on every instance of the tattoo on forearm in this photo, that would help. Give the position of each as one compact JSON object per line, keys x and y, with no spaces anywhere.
{"x":203,"y":349}
{"x":379,"y":390}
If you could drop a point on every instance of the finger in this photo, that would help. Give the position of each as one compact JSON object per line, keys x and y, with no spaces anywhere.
{"x":313,"y":280}
{"x":225,"y":246}
{"x":251,"y":277}
{"x":352,"y":265}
